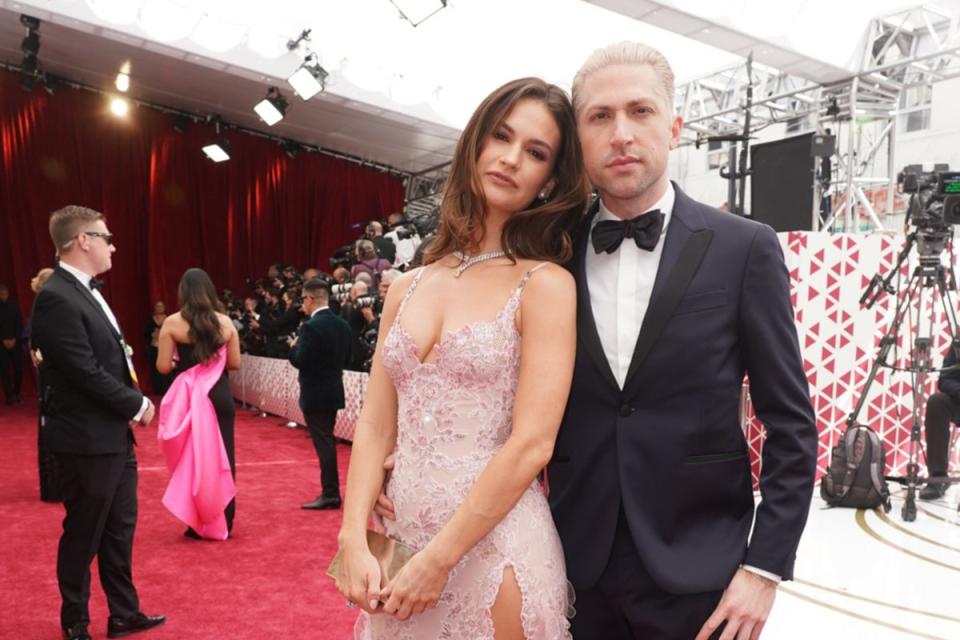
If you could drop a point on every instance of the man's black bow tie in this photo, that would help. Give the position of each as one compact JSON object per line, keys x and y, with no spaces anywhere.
{"x":644,"y":229}
{"x":95,"y":285}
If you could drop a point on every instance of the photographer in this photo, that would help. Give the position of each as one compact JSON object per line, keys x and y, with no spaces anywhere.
{"x":368,"y":262}
{"x":943,"y":408}
{"x":277,"y":328}
{"x":358,"y":312}
{"x":405,"y":236}
{"x":385,"y":247}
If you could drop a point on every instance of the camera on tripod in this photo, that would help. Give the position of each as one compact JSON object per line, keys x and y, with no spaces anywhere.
{"x":934,"y":196}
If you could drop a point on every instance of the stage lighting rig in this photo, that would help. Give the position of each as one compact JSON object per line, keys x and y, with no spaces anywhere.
{"x":219,"y":149}
{"x":273,"y":107}
{"x":30,"y":47}
{"x":309,"y":79}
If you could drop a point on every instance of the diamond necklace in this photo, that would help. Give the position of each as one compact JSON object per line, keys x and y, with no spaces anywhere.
{"x":466,"y":261}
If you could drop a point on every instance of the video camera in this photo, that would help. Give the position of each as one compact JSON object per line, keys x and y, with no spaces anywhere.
{"x":934,"y":206}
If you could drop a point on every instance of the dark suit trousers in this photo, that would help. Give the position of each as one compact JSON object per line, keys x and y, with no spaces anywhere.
{"x":100,"y":496}
{"x":320,"y":425}
{"x":11,"y":370}
{"x":941,"y":410}
{"x":626,"y":603}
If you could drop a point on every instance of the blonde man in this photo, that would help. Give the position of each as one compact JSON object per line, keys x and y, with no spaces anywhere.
{"x":650,"y":483}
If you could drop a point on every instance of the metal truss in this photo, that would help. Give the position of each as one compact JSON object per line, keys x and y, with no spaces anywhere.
{"x":423,"y":193}
{"x":904,"y":50}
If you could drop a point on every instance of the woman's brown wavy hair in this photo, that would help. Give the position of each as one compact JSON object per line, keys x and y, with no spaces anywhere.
{"x":199,"y":306}
{"x":541,"y":231}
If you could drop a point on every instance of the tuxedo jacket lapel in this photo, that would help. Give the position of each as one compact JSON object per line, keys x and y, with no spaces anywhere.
{"x":586,"y":326}
{"x":87,"y":295}
{"x":686,"y":242}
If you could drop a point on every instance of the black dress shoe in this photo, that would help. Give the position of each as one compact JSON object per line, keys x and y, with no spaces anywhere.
{"x":190,"y":533}
{"x":119,"y":627}
{"x":77,"y":632}
{"x":933,"y":491}
{"x":322,"y":503}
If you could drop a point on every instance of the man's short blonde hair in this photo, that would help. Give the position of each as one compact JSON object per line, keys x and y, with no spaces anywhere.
{"x":629,"y":53}
{"x":67,"y":222}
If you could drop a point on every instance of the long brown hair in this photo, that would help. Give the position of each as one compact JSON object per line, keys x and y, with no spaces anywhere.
{"x":199,"y":306}
{"x":542,"y":230}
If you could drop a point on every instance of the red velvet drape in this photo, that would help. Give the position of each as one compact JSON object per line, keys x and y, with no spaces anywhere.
{"x":168,"y":207}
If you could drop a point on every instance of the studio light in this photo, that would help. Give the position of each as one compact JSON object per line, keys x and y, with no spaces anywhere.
{"x":51,"y":83}
{"x":30,"y":45}
{"x":122,"y":82}
{"x":273,"y":107}
{"x":416,"y":11}
{"x":309,"y":79}
{"x":181,"y":123}
{"x":218,"y":151}
{"x":119,"y":107}
{"x":292,"y":149}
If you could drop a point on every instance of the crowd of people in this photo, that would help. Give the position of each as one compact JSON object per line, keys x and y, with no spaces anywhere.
{"x":581,"y":370}
{"x":360,"y":275}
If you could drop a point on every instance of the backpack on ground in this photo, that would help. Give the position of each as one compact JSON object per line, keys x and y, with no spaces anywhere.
{"x":855,"y":477}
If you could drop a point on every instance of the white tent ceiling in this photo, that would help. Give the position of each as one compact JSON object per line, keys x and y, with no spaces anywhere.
{"x":397,"y":95}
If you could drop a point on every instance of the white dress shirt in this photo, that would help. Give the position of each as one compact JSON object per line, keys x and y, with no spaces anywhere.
{"x":84,"y":279}
{"x":620,"y":285}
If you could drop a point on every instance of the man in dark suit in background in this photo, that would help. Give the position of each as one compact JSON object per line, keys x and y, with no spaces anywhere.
{"x":11,"y":358}
{"x":385,"y":247}
{"x":650,"y":483}
{"x":320,"y":352}
{"x":89,"y":401}
{"x":943,"y":407}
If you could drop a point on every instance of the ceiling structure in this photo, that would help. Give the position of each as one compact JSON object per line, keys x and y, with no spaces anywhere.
{"x":398,"y":95}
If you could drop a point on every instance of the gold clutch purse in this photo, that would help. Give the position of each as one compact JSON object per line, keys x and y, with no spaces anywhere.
{"x":390,"y":554}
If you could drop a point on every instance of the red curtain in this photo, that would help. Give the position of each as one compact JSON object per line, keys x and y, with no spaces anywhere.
{"x":168,"y":207}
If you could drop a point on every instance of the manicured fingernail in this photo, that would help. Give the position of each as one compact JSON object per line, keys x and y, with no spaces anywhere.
{"x":374,"y":604}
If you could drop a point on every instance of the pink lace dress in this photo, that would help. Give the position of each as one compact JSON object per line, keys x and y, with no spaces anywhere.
{"x":453,"y":416}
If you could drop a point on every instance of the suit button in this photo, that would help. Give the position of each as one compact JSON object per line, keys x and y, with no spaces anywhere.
{"x":625,"y":410}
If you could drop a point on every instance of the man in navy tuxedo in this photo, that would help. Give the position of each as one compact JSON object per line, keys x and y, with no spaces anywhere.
{"x":650,"y":483}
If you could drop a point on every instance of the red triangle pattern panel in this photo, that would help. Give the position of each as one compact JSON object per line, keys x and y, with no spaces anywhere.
{"x":840,"y":340}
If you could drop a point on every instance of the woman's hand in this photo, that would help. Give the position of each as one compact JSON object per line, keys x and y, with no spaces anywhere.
{"x":417,"y":586}
{"x":359,"y":577}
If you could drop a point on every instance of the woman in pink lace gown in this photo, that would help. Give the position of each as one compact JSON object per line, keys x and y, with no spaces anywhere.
{"x":468,"y":387}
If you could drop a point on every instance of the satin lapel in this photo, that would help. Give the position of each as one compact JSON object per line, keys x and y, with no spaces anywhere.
{"x":88,"y":296}
{"x":586,"y":326}
{"x":686,"y":238}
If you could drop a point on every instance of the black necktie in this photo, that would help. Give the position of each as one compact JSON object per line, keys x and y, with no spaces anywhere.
{"x":644,"y":229}
{"x":95,"y":285}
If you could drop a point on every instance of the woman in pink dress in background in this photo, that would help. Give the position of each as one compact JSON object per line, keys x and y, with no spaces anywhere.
{"x":468,"y":387}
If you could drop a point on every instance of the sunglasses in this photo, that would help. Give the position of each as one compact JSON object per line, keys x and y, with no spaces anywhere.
{"x":108,"y":237}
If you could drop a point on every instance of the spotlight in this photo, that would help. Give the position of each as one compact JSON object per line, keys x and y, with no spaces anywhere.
{"x":309,"y":79}
{"x":292,"y":149}
{"x":833,"y":109}
{"x":122,"y":82}
{"x":119,"y":107}
{"x":218,"y":151}
{"x":416,"y":11}
{"x":181,"y":123}
{"x":52,"y":83}
{"x":273,"y":107}
{"x":29,"y":22}
{"x":30,"y":45}
{"x":28,"y":81}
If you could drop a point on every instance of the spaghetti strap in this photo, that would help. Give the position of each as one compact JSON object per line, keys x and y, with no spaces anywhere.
{"x":406,"y":296}
{"x":526,"y":276}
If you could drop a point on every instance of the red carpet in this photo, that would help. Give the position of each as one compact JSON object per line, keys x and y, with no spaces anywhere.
{"x":266,"y":582}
